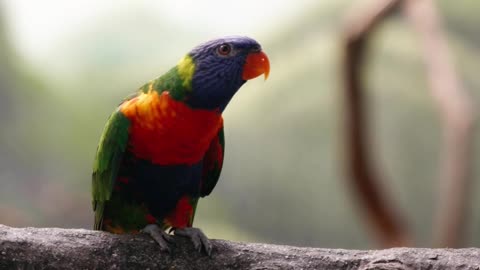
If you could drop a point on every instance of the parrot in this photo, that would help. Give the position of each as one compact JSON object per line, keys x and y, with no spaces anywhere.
{"x":162,"y":148}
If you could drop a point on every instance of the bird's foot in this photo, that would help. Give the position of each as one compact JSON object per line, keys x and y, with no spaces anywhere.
{"x":197,"y":237}
{"x":159,"y":235}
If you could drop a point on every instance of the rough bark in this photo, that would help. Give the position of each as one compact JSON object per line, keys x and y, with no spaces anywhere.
{"x":53,"y":248}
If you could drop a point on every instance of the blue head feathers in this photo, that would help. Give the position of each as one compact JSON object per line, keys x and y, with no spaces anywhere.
{"x":219,"y":70}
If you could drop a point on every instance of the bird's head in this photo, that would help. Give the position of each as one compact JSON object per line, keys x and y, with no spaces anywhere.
{"x":216,"y":69}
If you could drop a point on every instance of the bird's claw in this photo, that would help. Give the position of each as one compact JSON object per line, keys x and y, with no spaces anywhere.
{"x":198,"y":238}
{"x":160,"y":236}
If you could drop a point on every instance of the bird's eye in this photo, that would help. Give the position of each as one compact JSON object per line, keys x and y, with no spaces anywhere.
{"x":224,"y":49}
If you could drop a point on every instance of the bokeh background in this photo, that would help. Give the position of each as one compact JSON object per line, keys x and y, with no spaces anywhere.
{"x":65,"y":65}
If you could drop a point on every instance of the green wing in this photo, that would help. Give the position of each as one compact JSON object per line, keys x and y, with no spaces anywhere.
{"x":109,"y":155}
{"x":212,"y":164}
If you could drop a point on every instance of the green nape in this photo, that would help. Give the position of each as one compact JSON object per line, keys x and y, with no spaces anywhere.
{"x":177,"y":81}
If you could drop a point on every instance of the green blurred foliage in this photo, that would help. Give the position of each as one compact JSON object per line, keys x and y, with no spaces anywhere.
{"x":283,"y":180}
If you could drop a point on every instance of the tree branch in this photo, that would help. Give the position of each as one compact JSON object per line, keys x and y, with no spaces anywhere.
{"x":458,"y":116}
{"x":365,"y":178}
{"x":52,"y":248}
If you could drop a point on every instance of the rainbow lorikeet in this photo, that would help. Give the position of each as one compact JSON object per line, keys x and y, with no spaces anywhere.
{"x":162,"y":148}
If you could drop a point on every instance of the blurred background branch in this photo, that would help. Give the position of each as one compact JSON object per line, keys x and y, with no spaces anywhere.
{"x":458,"y":121}
{"x":457,"y":110}
{"x":364,"y":174}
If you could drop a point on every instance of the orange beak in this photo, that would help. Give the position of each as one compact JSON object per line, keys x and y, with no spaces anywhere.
{"x":256,"y":64}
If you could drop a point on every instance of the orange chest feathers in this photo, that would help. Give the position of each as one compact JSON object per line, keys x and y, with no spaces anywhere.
{"x":167,"y":132}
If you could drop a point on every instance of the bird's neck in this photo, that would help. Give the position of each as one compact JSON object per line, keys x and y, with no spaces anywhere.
{"x":173,"y":82}
{"x":198,"y":90}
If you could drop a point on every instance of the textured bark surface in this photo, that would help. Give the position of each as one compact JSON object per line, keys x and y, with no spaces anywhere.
{"x":53,"y":248}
